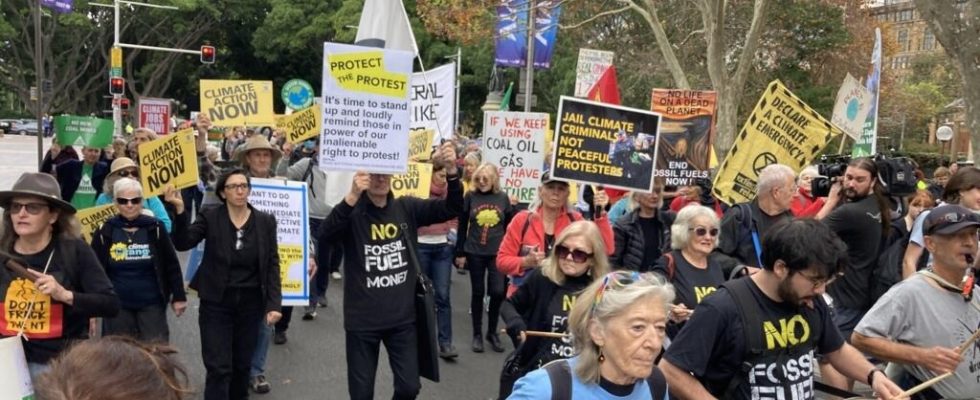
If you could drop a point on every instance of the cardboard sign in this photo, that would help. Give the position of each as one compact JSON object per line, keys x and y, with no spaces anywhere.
{"x":92,"y":218}
{"x":237,"y":103}
{"x":365,"y":109}
{"x":605,"y":144}
{"x":686,"y":134}
{"x":514,"y":142}
{"x":591,"y":65}
{"x":851,"y":109}
{"x":433,"y":97}
{"x":415,"y":183}
{"x":83,"y":131}
{"x":155,"y":115}
{"x":286,"y":200}
{"x":420,"y":144}
{"x":781,"y":129}
{"x":172,"y":159}
{"x":301,"y":125}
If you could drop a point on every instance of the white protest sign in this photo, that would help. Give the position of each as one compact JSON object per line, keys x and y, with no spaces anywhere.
{"x":853,"y":104}
{"x":433,"y":99}
{"x":591,"y":65}
{"x":514,"y":142}
{"x":286,"y":200}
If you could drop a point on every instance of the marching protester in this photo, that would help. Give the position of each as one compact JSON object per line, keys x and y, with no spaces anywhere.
{"x":122,"y":168}
{"x":720,"y":352}
{"x":81,"y":180}
{"x":688,"y":266}
{"x":805,"y":204}
{"x":743,"y":225}
{"x":923,"y":321}
{"x":378,"y":233}
{"x":642,"y":235}
{"x":962,"y":189}
{"x":57,"y":155}
{"x":939,"y":179}
{"x":531,"y":234}
{"x":238,"y":282}
{"x":618,"y":322}
{"x":918,"y":202}
{"x":435,"y":254}
{"x":486,"y":212}
{"x":63,"y":275}
{"x":543,"y":300}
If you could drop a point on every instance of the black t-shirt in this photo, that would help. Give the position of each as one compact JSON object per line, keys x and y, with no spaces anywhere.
{"x":859,"y":225}
{"x":712,"y":346}
{"x":557,"y":318}
{"x":691,"y":284}
{"x":651,"y":228}
{"x":483,"y":225}
{"x":244,"y":271}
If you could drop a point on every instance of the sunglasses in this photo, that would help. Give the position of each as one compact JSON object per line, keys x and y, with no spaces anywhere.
{"x":239,"y":239}
{"x":617,"y":280}
{"x":701,"y":231}
{"x":134,"y":201}
{"x":578,"y":256}
{"x":32,"y":208}
{"x":127,"y":174}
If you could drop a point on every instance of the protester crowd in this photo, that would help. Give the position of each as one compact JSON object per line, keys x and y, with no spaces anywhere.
{"x":601,"y":293}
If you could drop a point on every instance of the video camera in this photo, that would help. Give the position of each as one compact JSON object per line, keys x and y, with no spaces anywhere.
{"x":896,"y":175}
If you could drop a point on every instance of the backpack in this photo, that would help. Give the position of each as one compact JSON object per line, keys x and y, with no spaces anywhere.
{"x":887,"y":270}
{"x":560,"y":375}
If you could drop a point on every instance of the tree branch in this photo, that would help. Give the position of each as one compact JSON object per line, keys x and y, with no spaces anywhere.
{"x":595,"y":17}
{"x":650,"y":15}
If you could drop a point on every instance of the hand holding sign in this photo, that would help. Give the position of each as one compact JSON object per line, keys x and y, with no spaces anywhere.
{"x":47,"y":285}
{"x":446,"y":157}
{"x":361,"y":182}
{"x":172,"y":195}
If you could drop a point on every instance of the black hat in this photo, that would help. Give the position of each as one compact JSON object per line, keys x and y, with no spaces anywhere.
{"x":949,"y":219}
{"x":36,"y":184}
{"x":546,"y":178}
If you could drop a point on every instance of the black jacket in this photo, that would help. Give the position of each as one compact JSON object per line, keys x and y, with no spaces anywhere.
{"x":214,"y":225}
{"x":735,"y":245}
{"x":69,"y":175}
{"x":165,"y":262}
{"x":630,"y":243}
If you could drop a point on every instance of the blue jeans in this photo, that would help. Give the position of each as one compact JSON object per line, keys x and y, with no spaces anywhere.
{"x":436,"y":263}
{"x":261,"y":349}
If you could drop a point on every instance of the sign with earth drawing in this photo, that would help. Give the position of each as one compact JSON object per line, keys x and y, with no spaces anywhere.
{"x":297,"y":94}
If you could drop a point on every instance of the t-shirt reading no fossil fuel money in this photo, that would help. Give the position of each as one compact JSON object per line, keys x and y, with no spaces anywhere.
{"x":712,"y":346}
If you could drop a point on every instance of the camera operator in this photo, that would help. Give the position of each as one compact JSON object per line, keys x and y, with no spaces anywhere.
{"x":857,"y":211}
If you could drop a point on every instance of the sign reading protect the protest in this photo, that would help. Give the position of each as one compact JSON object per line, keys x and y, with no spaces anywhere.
{"x":155,"y":115}
{"x":169,"y":160}
{"x":433,"y":97}
{"x":92,"y":218}
{"x":605,"y":144}
{"x":83,"y":131}
{"x":781,"y":129}
{"x":414,"y":183}
{"x":237,"y":103}
{"x":365,"y":109}
{"x":514,"y":142}
{"x":686,"y":134}
{"x":301,"y":125}
{"x":286,"y":200}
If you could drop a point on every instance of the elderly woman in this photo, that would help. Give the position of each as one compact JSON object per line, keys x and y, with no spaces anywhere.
{"x":64,"y":285}
{"x":141,"y":262}
{"x":238,"y":282}
{"x":643,"y":234}
{"x":531,"y":234}
{"x":694,"y":276}
{"x":541,"y":302}
{"x":805,"y":205}
{"x":124,"y":167}
{"x":618,"y":327}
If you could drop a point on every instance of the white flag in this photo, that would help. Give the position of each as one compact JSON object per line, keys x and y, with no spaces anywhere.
{"x":384,"y":23}
{"x":853,"y":104}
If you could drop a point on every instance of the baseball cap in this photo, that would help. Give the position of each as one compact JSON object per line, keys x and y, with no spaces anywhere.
{"x":546,"y":178}
{"x":949,"y":219}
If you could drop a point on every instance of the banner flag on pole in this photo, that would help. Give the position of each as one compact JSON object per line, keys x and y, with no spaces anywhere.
{"x":606,"y":89}
{"x":867,"y":144}
{"x":384,"y":23}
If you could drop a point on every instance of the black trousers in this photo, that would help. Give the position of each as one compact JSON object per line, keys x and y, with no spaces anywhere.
{"x":362,"y":361}
{"x":228,"y":338}
{"x":485,"y":279}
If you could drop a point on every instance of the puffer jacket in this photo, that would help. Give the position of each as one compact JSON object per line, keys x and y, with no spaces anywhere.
{"x":630,"y":243}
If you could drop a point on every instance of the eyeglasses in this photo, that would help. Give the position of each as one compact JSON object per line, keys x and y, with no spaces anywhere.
{"x":701,"y":231}
{"x":32,"y":208}
{"x":819,"y":281}
{"x":127,"y":174}
{"x":134,"y":201}
{"x":578,"y":256}
{"x":239,"y":239}
{"x":237,"y":186}
{"x":619,"y":279}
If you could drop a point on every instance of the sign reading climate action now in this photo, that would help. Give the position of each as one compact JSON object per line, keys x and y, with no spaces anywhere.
{"x":237,"y":103}
{"x":286,"y":201}
{"x":365,"y":109}
{"x":513,"y":141}
{"x":92,"y":218}
{"x":420,"y":144}
{"x":169,"y":160}
{"x":414,"y":183}
{"x":301,"y":125}
{"x":686,"y":133}
{"x":605,"y":144}
{"x":781,"y":129}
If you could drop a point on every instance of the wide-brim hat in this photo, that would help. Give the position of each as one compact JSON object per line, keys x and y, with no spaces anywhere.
{"x":122,"y":163}
{"x":258,"y":142}
{"x":36,"y":184}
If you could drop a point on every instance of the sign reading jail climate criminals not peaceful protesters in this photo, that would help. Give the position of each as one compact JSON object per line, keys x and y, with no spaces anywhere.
{"x":686,"y":134}
{"x":287,"y":202}
{"x":301,"y":125}
{"x":514,"y":142}
{"x":605,"y":144}
{"x":781,"y":129}
{"x":237,"y":103}
{"x":365,"y":109}
{"x":169,"y":160}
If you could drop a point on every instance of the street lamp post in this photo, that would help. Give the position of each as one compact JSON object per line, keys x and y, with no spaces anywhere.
{"x":943,"y":134}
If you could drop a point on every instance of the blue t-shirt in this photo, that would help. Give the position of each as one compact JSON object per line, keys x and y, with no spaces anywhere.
{"x":537,"y":385}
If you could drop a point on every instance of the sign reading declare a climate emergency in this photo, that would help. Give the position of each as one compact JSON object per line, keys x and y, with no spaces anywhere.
{"x":237,"y":103}
{"x":605,"y":144}
{"x":365,"y":109}
{"x":514,"y":142}
{"x":170,"y":160}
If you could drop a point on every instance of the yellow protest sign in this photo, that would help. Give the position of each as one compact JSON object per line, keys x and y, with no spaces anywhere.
{"x":92,"y":218}
{"x":289,"y":254}
{"x":781,"y":129}
{"x":171,"y":159}
{"x":365,"y":72}
{"x":301,"y":125}
{"x":415,"y":183}
{"x":420,"y":144}
{"x":237,"y":103}
{"x":25,"y":308}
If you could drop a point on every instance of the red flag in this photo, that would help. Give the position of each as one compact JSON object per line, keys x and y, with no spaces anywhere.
{"x":605,"y":90}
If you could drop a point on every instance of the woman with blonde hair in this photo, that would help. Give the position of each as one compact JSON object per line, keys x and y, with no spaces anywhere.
{"x":542,"y":302}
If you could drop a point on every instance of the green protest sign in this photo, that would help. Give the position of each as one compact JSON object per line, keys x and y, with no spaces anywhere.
{"x":83,"y":131}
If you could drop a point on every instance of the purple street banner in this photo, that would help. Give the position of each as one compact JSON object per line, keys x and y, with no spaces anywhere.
{"x":511,"y":32}
{"x":62,"y":6}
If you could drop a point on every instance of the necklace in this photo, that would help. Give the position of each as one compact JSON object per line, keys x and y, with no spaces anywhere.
{"x":129,"y":235}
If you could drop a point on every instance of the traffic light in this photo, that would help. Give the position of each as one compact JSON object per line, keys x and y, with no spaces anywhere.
{"x":124,"y":103}
{"x":207,"y":54}
{"x":117,"y":85}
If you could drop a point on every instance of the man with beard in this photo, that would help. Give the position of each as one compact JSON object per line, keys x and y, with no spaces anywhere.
{"x":756,"y":337}
{"x":857,"y":211}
